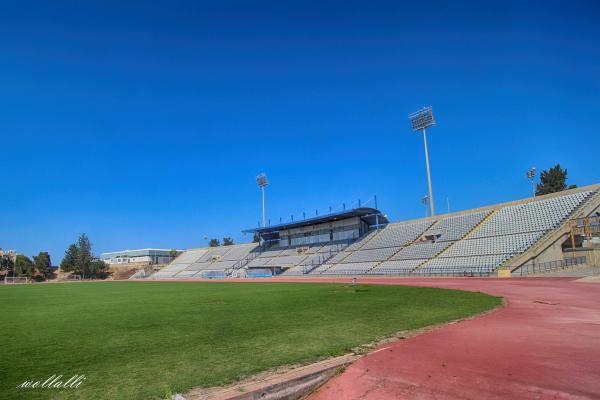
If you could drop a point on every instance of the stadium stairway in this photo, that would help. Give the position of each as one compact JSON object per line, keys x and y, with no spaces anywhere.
{"x":475,"y":228}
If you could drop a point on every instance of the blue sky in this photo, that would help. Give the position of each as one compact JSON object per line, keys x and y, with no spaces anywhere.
{"x":144,"y":124}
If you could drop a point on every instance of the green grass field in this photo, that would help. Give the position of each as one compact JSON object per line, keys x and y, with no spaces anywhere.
{"x":144,"y":340}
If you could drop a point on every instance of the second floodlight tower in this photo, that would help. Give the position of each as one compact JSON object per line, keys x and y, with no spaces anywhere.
{"x":421,"y":120}
{"x":263,"y":182}
{"x":531,"y":176}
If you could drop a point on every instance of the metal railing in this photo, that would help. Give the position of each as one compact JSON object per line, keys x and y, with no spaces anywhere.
{"x":143,"y":273}
{"x":308,"y":267}
{"x":550,"y":266}
{"x":246,"y":260}
{"x":441,"y":272}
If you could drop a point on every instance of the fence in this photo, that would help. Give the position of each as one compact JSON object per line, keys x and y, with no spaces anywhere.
{"x":550,"y":266}
{"x":441,"y":272}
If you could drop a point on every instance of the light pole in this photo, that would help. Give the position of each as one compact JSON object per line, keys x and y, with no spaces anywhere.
{"x":531,"y":176}
{"x":424,"y":201}
{"x":262,"y":182}
{"x":421,"y":120}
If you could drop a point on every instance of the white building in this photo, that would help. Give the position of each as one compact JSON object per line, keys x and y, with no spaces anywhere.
{"x":141,"y":256}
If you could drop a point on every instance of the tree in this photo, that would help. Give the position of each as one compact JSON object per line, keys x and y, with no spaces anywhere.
{"x":80,"y":260}
{"x":43,"y":265}
{"x":172,"y":254}
{"x":84,"y":255}
{"x":552,"y":181}
{"x":24,"y":266}
{"x":98,"y":269}
{"x":214,"y":243}
{"x":70,"y":260}
{"x":227,"y":241}
{"x":6,"y":263}
{"x":256,"y":238}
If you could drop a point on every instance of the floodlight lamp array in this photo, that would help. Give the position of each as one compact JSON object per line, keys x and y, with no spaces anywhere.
{"x":261,"y":180}
{"x":422,"y":119}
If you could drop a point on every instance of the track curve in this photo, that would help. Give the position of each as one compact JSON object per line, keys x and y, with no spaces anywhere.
{"x":545,"y":344}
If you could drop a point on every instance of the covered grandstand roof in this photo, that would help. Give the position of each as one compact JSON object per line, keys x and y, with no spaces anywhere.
{"x":370,"y":215}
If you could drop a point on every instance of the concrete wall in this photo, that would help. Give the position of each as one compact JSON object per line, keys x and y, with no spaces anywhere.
{"x":592,"y":255}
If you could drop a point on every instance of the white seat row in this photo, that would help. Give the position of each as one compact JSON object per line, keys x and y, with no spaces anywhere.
{"x":421,"y":250}
{"x":296,"y":270}
{"x":186,"y":274}
{"x":292,"y":251}
{"x":163,"y":274}
{"x":505,"y":244}
{"x":259,"y":262}
{"x":214,"y":252}
{"x":454,"y":271}
{"x":454,"y":228}
{"x":339,"y":257}
{"x":399,"y":265}
{"x":320,"y":269}
{"x":397,"y":235}
{"x":190,"y":256}
{"x":488,"y":262}
{"x":198,"y":266}
{"x":287,"y":260}
{"x":271,"y":253}
{"x":239,"y":252}
{"x":361,"y":242}
{"x":221,"y":265}
{"x":345,"y":269}
{"x":335,"y":247}
{"x":541,"y":215}
{"x":174,"y":268}
{"x":370,"y":255}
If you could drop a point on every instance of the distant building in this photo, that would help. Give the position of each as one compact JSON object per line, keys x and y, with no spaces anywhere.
{"x":141,"y":256}
{"x":11,"y":253}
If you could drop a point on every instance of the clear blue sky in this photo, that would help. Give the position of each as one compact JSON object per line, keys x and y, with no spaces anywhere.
{"x":144,"y":124}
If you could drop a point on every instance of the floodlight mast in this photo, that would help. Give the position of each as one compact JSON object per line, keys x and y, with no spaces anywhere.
{"x":262,"y":182}
{"x":531,"y":176}
{"x":421,"y":120}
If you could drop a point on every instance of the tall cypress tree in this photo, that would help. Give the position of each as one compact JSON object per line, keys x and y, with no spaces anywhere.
{"x":84,"y":255}
{"x":70,"y":260}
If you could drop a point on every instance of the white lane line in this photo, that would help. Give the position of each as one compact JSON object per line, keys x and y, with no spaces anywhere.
{"x":382,"y":349}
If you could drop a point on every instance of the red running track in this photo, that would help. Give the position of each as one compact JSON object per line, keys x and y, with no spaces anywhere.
{"x":545,"y":344}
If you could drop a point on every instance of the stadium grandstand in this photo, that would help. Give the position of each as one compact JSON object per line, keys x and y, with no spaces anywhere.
{"x":479,"y":242}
